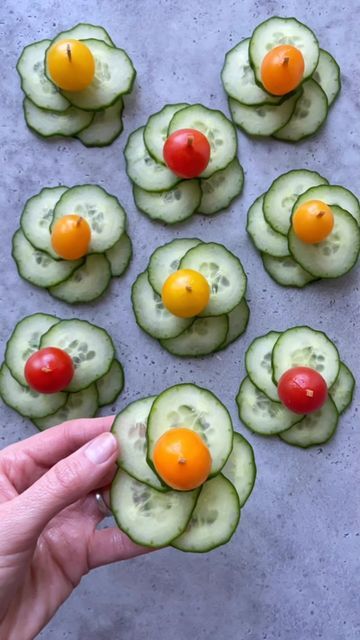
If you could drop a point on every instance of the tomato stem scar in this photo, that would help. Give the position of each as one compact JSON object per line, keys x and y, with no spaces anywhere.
{"x":188,"y":288}
{"x":309,"y":393}
{"x":286,"y":60}
{"x":46,"y":369}
{"x":68,"y":51}
{"x":182,"y":461}
{"x":320,"y":214}
{"x":190,"y":141}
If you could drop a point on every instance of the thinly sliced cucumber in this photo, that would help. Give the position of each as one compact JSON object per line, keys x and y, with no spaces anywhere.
{"x":84,"y":31}
{"x":52,"y":123}
{"x":221,"y":188}
{"x":240,"y":468}
{"x":343,"y":388}
{"x":171,"y":206}
{"x":258,"y":364}
{"x":129,"y":428}
{"x":332,"y":195}
{"x":238,"y":320}
{"x":305,"y":347}
{"x":203,"y":337}
{"x":142,"y":169}
{"x":264,"y":237}
{"x":314,"y":429}
{"x":83,"y":404}
{"x":105,"y":127}
{"x":34,"y":82}
{"x":310,"y":114}
{"x":224,"y":273}
{"x":189,"y":406}
{"x":166,"y":259}
{"x":276,"y":31}
{"x":327,"y":75}
{"x":265,"y":119}
{"x":286,"y":272}
{"x":156,"y":130}
{"x":102,"y":211}
{"x":284,"y":191}
{"x":260,"y":414}
{"x":214,"y":520}
{"x":24,"y":341}
{"x":111,"y":384}
{"x":87,"y":283}
{"x":90,"y":347}
{"x":119,"y":255}
{"x":37,"y":266}
{"x":218,"y":129}
{"x":334,"y":256}
{"x":25,"y":401}
{"x":151,"y":314}
{"x":36,"y":218}
{"x":150,"y":517}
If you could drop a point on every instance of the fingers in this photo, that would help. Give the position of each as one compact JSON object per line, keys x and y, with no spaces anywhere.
{"x":112,"y":545}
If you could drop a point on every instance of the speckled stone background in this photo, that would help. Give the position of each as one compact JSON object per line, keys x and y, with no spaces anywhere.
{"x":292,"y":571}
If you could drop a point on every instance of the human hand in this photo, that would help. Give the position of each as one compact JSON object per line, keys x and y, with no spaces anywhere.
{"x":48,"y":520}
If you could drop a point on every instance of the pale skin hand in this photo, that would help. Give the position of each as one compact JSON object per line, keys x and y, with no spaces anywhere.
{"x":48,"y":519}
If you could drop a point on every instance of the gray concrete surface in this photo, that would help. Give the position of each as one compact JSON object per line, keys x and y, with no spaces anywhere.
{"x":292,"y":571}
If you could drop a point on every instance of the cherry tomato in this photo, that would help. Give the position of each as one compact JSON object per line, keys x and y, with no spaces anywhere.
{"x":182,"y":459}
{"x":186,"y":293}
{"x":187,"y":153}
{"x":313,"y":221}
{"x":71,"y":65}
{"x":49,"y":370}
{"x":282,"y":69}
{"x":70,"y":237}
{"x":302,"y":390}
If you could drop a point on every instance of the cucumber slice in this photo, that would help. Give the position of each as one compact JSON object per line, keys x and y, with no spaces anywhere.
{"x":203,"y":337}
{"x":258,"y":364}
{"x":327,"y":75}
{"x":129,"y":428}
{"x":214,"y":520}
{"x":52,"y":123}
{"x":142,"y":169}
{"x":310,"y":114}
{"x":151,"y":314}
{"x":24,"y":341}
{"x":189,"y":406}
{"x":84,"y":31}
{"x":105,"y":127}
{"x":286,"y":272}
{"x":171,"y":206}
{"x":34,"y":82}
{"x":111,"y":384}
{"x":147,"y":516}
{"x":87,"y":283}
{"x":284,"y":191}
{"x":36,"y":218}
{"x":156,"y":130}
{"x":166,"y":259}
{"x":332,"y":195}
{"x":83,"y":404}
{"x":260,"y":414}
{"x":103,"y":212}
{"x":262,"y":234}
{"x":238,"y":320}
{"x":240,"y":468}
{"x":221,"y":188}
{"x":343,"y":388}
{"x":119,"y":255}
{"x":90,"y":347}
{"x":334,"y":256}
{"x":265,"y":119}
{"x":316,"y":428}
{"x":276,"y":31}
{"x":218,"y":129}
{"x":224,"y":273}
{"x":37,"y":266}
{"x":305,"y":347}
{"x":24,"y":400}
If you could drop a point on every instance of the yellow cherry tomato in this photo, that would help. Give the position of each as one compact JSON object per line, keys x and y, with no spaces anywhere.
{"x":70,"y":237}
{"x":313,"y":221}
{"x":282,"y":69}
{"x":71,"y":65}
{"x":186,"y":293}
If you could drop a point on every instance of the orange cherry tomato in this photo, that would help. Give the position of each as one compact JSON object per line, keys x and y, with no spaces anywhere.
{"x":313,"y":221}
{"x":186,"y":293}
{"x":282,"y":69}
{"x":70,"y":237}
{"x":71,"y":65}
{"x":182,"y":459}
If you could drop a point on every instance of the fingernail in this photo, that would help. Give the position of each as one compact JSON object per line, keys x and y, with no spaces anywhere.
{"x":102,"y":448}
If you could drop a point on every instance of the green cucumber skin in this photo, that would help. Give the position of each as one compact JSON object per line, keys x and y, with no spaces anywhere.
{"x":352,"y":391}
{"x":91,"y":300}
{"x":85,"y":24}
{"x":159,"y":220}
{"x":58,"y":134}
{"x":288,"y":286}
{"x":309,"y":446}
{"x":203,"y":355}
{"x":309,"y":135}
{"x":239,"y":336}
{"x":259,"y":136}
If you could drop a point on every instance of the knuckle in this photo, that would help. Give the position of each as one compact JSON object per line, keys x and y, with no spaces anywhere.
{"x":64,"y":476}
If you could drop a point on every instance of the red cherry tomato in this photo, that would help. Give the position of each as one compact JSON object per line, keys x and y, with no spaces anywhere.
{"x":302,"y":390}
{"x":49,"y":370}
{"x":187,"y":153}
